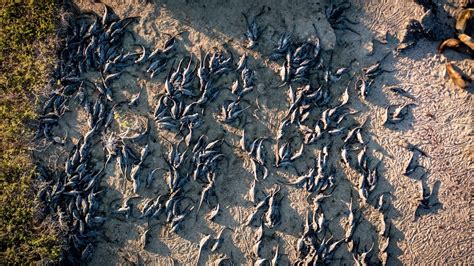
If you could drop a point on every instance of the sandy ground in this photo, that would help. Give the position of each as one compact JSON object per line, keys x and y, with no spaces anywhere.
{"x":441,"y":124}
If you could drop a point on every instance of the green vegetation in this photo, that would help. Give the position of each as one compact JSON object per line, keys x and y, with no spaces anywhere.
{"x":27,"y":30}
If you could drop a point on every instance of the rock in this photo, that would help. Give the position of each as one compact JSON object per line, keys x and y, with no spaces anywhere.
{"x":369,"y":48}
{"x":437,"y":25}
{"x":436,"y":22}
{"x":305,"y":29}
{"x":413,"y":32}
